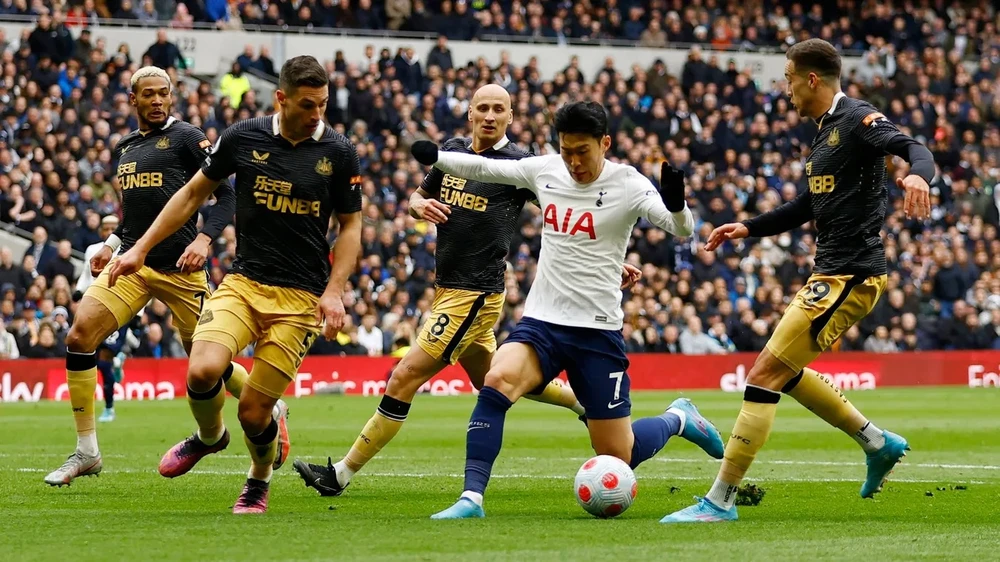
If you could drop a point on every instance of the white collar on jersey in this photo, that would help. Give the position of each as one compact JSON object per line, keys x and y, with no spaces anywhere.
{"x":170,"y":121}
{"x":836,"y":99}
{"x":504,"y":141}
{"x":275,"y":126}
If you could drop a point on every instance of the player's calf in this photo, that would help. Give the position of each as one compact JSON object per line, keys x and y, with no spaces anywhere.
{"x":416,"y":368}
{"x":260,"y":430}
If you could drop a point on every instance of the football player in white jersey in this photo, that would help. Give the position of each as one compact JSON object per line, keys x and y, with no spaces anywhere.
{"x":111,"y":352}
{"x":572,"y":316}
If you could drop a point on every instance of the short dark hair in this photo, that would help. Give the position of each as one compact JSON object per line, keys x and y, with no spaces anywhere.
{"x":300,"y":71}
{"x":816,"y":55}
{"x":584,"y":118}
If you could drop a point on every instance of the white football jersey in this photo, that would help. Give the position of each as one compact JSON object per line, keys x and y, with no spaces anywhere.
{"x":585,"y":232}
{"x":86,"y":279}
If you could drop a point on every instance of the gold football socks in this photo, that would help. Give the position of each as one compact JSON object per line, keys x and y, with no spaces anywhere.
{"x":380,"y":429}
{"x":752,"y":428}
{"x":81,"y":378}
{"x":822,"y":397}
{"x":558,"y":395}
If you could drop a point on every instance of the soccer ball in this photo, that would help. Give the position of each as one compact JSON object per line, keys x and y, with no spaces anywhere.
{"x":605,"y":486}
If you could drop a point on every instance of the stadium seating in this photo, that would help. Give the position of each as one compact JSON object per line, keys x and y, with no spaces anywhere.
{"x":64,"y":105}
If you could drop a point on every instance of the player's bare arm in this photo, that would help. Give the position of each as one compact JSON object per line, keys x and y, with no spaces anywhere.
{"x":424,"y":206}
{"x":177,"y":211}
{"x":345,"y":251}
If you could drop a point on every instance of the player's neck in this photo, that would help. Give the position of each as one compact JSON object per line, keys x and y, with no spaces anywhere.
{"x":287,"y":133}
{"x":824,"y":102}
{"x":482,"y":145}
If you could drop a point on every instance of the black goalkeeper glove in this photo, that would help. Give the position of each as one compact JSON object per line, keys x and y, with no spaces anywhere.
{"x":425,"y":152}
{"x":672,"y":187}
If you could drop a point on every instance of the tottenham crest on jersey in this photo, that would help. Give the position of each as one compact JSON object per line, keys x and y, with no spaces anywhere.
{"x":324,"y":167}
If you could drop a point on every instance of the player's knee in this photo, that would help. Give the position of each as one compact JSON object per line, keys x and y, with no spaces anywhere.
{"x":405,"y":381}
{"x":769,"y":372}
{"x":80,"y":340}
{"x":254,"y":416}
{"x":506,"y":383}
{"x":204,"y":373}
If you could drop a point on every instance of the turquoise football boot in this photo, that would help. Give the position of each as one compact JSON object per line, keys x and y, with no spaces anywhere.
{"x":698,"y":430}
{"x":702,"y":512}
{"x":881,"y":462}
{"x":464,"y":508}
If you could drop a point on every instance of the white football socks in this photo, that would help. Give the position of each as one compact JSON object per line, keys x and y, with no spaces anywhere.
{"x":870,"y":438}
{"x":680,"y":414}
{"x":344,"y":474}
{"x":87,"y":444}
{"x":474,"y":497}
{"x":722,"y":495}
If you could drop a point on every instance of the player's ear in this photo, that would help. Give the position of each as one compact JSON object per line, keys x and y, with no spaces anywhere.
{"x":131,"y":99}
{"x":606,"y":143}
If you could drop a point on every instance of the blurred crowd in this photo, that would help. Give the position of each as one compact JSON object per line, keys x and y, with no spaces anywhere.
{"x":64,"y":106}
{"x":968,"y":26}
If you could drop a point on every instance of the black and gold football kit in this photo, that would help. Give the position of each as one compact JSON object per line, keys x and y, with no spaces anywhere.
{"x":847,"y":197}
{"x":285,"y":196}
{"x":152,"y":166}
{"x":471,"y":255}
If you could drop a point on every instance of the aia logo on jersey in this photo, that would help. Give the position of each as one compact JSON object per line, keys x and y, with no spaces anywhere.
{"x":568,"y":222}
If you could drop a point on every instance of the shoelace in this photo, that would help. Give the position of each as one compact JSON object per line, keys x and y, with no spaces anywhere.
{"x":69,"y":461}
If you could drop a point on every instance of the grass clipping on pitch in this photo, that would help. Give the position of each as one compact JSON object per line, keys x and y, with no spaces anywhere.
{"x":749,"y":494}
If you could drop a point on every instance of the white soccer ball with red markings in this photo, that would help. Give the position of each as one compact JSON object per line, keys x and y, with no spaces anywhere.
{"x":605,"y":486}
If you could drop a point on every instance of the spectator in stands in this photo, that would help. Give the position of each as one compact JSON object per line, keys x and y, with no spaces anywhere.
{"x":370,"y":336}
{"x":694,"y":341}
{"x":61,"y":264}
{"x":8,"y":344}
{"x":163,"y":53}
{"x":40,"y":250}
{"x":234,"y":84}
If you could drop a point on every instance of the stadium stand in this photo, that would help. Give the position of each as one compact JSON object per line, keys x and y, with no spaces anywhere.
{"x":932,"y":67}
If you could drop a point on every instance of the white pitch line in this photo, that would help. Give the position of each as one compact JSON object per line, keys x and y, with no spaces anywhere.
{"x":542,"y":476}
{"x":933,"y":466}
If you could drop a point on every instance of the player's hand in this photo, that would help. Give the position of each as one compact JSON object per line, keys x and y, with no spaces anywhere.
{"x":195,"y":254}
{"x":100,"y":260}
{"x":630,"y":276}
{"x":432,"y":210}
{"x":127,"y":264}
{"x":917,"y":201}
{"x":731,"y":231}
{"x":672,"y":187}
{"x":425,"y":152}
{"x":330,"y":313}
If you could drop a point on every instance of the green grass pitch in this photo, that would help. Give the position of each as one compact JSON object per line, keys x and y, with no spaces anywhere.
{"x":811,"y":472}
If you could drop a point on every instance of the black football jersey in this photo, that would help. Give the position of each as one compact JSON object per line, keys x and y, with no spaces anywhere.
{"x":472,"y":245}
{"x":152,"y":167}
{"x":285,"y":196}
